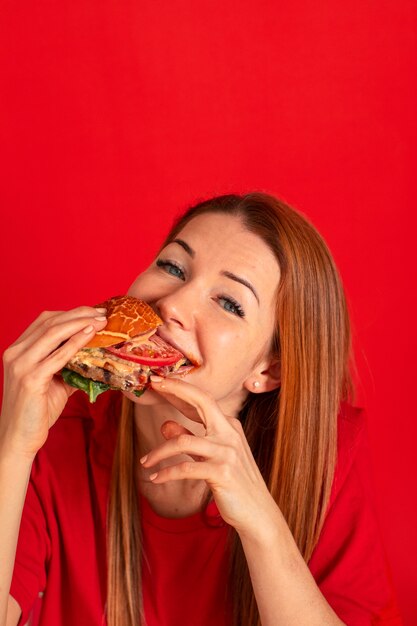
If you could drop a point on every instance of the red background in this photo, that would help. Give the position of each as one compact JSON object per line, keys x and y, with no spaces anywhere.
{"x":115,"y":116}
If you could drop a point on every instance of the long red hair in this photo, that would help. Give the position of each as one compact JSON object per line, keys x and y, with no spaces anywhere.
{"x":295,"y":447}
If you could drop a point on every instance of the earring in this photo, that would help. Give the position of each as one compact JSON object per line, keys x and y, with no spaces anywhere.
{"x":256,"y":384}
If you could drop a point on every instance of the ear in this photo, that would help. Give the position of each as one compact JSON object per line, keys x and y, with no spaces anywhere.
{"x":267,"y":374}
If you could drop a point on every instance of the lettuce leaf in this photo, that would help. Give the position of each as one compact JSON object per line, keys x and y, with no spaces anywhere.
{"x":92,"y":388}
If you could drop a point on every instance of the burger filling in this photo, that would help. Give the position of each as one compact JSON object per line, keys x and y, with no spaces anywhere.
{"x":125,"y":366}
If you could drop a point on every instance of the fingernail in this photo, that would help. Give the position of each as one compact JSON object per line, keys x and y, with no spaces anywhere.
{"x":144,"y":458}
{"x":88,"y":329}
{"x":153,"y":476}
{"x":156,"y":379}
{"x":101,"y":310}
{"x":102,"y":318}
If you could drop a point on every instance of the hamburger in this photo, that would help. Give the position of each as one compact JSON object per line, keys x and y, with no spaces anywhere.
{"x":125,"y":353}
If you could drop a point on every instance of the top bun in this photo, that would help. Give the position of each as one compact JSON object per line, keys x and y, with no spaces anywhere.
{"x":127,"y":317}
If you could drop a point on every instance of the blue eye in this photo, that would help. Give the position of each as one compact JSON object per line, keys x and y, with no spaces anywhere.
{"x":231,"y":305}
{"x":171,"y":268}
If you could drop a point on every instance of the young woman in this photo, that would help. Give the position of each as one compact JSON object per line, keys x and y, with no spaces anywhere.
{"x":202,"y":501}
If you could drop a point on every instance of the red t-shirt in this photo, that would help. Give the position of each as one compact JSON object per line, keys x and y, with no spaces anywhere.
{"x":60,"y":569}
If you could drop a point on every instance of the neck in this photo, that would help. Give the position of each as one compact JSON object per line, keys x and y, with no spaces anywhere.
{"x":175,"y":498}
{"x":149,"y":419}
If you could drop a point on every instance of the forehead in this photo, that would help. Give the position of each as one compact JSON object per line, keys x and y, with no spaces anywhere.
{"x":227,"y":244}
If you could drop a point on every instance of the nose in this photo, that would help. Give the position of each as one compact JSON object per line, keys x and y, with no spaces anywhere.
{"x":178,"y":307}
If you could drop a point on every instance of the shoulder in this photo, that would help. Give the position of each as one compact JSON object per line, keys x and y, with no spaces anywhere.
{"x":63,"y":524}
{"x":349,"y":562}
{"x":351,"y":437}
{"x":82,"y":426}
{"x":351,"y":423}
{"x":79,"y":407}
{"x":98,"y":415}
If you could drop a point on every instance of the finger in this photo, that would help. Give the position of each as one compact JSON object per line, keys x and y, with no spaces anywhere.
{"x":192,"y":402}
{"x":48,"y":319}
{"x":68,"y":388}
{"x":39,"y":377}
{"x":171,"y":429}
{"x":60,"y":342}
{"x":186,"y":443}
{"x":189,"y":470}
{"x":41,"y":319}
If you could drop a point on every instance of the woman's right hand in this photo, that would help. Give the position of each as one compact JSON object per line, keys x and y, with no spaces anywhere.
{"x":33,"y":395}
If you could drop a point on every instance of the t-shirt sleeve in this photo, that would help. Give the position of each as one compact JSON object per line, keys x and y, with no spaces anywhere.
{"x":29,"y":575}
{"x":349,"y":563}
{"x":33,"y":547}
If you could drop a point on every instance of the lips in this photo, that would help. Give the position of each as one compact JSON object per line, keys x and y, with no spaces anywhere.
{"x":193,"y":360}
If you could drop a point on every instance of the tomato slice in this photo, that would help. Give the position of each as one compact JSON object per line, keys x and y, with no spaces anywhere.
{"x":155,"y":352}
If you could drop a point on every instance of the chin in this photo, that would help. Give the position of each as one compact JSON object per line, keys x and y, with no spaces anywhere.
{"x":149,"y":398}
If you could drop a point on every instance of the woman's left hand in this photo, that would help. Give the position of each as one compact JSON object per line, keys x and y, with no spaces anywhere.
{"x":223,"y":458}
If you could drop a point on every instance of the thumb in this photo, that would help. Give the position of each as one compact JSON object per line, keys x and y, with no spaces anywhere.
{"x":171,"y":429}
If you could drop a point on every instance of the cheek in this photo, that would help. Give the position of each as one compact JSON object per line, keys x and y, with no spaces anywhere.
{"x":243,"y":353}
{"x":232,"y":351}
{"x":143,"y":288}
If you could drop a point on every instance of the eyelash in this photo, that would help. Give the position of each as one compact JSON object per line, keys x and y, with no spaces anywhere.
{"x":238,"y":310}
{"x":165,"y":264}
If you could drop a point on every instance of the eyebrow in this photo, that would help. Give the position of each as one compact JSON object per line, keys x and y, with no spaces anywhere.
{"x":242,"y":281}
{"x":230,"y":275}
{"x":186,"y":247}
